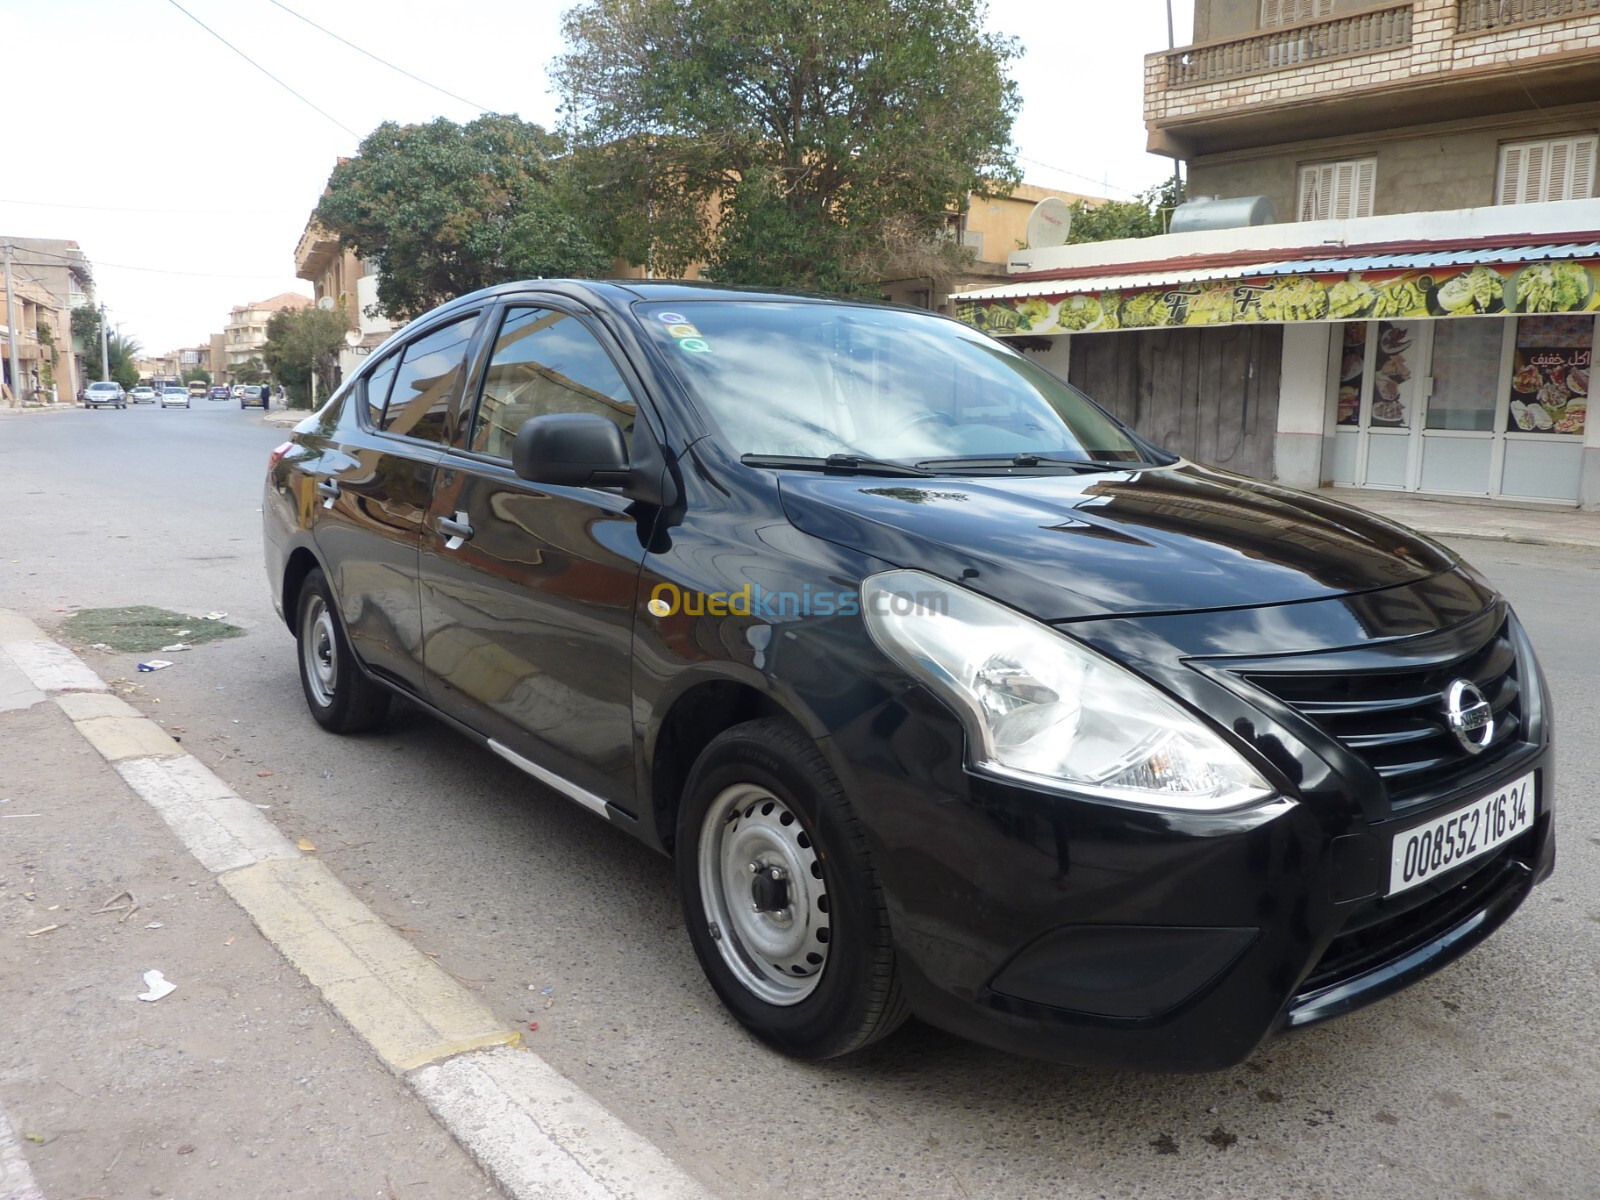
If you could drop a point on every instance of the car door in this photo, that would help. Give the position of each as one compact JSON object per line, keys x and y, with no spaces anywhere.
{"x":528,"y":589}
{"x":373,"y":486}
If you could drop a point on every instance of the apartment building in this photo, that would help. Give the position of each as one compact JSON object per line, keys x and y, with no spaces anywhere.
{"x":1420,"y":313}
{"x":245,"y":333}
{"x":49,"y":278}
{"x":343,"y":280}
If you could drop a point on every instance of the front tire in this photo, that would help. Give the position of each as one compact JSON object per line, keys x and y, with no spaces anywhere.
{"x":341,"y":697}
{"x":780,"y":896}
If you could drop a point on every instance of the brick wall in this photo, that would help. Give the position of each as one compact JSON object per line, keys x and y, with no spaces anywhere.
{"x":1434,"y":48}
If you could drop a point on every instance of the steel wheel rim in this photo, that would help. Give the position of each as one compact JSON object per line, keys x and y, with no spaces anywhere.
{"x":778,"y":954}
{"x":319,"y":652}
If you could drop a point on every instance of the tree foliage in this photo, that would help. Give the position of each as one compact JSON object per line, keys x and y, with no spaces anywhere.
{"x":301,"y":340}
{"x":197,"y":375}
{"x":785,"y":144}
{"x":251,"y":370}
{"x":444,"y":209}
{"x":1147,"y":215}
{"x":120,"y":350}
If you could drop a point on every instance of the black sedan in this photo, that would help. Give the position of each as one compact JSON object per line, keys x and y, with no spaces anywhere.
{"x":949,"y":694}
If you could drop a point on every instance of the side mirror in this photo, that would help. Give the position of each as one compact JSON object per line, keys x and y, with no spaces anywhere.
{"x":572,"y":449}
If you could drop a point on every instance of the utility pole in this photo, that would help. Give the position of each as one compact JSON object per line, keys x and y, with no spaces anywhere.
{"x":11,"y":336}
{"x":105,"y":350}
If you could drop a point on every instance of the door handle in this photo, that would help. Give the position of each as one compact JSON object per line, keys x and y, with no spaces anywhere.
{"x":329,"y":491}
{"x":456,"y":530}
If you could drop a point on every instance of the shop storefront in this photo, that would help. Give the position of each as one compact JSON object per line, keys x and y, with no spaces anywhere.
{"x":1445,"y":366}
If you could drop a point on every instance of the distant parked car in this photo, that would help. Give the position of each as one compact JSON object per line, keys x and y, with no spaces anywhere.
{"x":259,"y":395}
{"x":198,"y":390}
{"x":220,"y":392}
{"x":143,"y":395}
{"x":174,"y":395}
{"x":99,"y":395}
{"x":238,"y":391}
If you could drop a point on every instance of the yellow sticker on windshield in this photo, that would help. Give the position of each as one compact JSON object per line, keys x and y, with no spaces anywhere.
{"x":683,"y":331}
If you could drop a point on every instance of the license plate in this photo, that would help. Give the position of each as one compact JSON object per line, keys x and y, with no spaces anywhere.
{"x":1424,"y":851}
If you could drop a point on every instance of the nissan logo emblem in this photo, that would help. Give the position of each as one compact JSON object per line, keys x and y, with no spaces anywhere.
{"x":1471,"y":719}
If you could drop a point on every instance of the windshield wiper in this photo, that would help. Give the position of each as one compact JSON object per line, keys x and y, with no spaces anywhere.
{"x":1031,"y":460}
{"x":833,"y":464}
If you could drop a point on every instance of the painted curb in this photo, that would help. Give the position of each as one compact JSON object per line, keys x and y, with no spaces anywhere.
{"x":534,"y":1131}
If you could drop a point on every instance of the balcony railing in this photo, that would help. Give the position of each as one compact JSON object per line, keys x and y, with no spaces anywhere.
{"x":1360,"y":33}
{"x":1480,"y":16}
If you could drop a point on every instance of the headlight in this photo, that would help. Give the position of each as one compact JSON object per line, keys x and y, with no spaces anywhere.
{"x":1041,"y":707}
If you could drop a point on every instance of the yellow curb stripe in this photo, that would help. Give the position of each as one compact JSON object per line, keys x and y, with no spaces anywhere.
{"x":407,"y":1008}
{"x":119,"y":738}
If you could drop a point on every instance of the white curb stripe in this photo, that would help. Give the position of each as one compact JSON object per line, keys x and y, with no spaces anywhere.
{"x":16,"y":1178}
{"x":539,"y":1134}
{"x":220,"y":828}
{"x":52,"y":668}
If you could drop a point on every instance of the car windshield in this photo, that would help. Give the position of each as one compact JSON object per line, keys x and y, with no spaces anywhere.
{"x":802,"y":379}
{"x":102,"y":387}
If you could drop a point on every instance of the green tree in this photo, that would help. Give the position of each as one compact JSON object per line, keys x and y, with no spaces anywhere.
{"x":251,"y":370}
{"x":121,"y":350}
{"x":783,"y":144}
{"x":196,"y":375}
{"x":303,"y":340}
{"x":444,"y":209}
{"x":1147,"y":215}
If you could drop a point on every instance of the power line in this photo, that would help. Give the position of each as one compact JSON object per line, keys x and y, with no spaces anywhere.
{"x":262,"y":69}
{"x":180,"y":212}
{"x":1079,"y":175}
{"x":376,"y":59}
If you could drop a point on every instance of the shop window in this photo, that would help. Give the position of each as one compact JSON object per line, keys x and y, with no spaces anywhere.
{"x":1466,"y":357}
{"x":1337,"y":191}
{"x":1550,"y":169}
{"x":1550,"y":375}
{"x":1293,"y":12}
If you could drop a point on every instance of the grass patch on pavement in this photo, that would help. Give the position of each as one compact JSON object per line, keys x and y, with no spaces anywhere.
{"x":140,"y":627}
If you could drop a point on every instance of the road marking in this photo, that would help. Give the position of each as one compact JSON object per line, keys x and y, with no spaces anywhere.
{"x":538,"y":1133}
{"x":219,"y":827}
{"x":404,"y":1005}
{"x":16,"y":1177}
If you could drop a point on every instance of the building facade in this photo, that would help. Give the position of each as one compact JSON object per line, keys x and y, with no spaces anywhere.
{"x":245,"y":334}
{"x":49,"y":278}
{"x":344,"y":281}
{"x":1422,"y":315}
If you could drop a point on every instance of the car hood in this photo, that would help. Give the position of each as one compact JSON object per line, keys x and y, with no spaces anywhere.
{"x":1067,"y":547}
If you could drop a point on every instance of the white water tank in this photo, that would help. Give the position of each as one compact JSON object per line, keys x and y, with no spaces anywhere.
{"x":1218,"y":212}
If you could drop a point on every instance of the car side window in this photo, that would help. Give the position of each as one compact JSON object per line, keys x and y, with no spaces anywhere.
{"x":377,"y":389}
{"x":428,"y":379}
{"x":545,"y":362}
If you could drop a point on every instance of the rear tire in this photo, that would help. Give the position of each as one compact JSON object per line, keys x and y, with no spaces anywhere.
{"x":803,"y":958}
{"x":341,"y":697}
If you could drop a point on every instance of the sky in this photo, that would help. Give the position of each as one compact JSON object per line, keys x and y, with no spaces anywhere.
{"x":187,"y":175}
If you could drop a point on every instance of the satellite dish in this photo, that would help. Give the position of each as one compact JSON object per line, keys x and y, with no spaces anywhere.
{"x":326,"y":304}
{"x":352,"y":338}
{"x":1049,"y":223}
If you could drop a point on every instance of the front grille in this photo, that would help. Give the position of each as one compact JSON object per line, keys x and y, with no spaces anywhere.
{"x":1394,"y":720}
{"x":1389,"y":928}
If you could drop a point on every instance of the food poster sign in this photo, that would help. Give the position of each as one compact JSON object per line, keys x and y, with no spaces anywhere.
{"x":1550,"y":287}
{"x":1550,"y":375}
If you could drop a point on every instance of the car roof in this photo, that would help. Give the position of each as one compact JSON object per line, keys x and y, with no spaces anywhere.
{"x":622,"y":294}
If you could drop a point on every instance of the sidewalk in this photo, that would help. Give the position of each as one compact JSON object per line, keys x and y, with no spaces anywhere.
{"x":308,"y":1049}
{"x":1442,"y":518}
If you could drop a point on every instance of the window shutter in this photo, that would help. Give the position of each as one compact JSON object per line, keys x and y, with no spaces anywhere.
{"x":1558,"y":163}
{"x":1271,"y":13}
{"x":1510,"y":175}
{"x":1533,"y":167}
{"x":1584,"y":152}
{"x":1316,"y":184}
{"x":1344,"y":184}
{"x":1366,"y":180}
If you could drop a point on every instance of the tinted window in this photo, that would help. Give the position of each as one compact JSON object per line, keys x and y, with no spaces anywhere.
{"x":428,"y":380}
{"x":377,"y":388}
{"x":545,"y":362}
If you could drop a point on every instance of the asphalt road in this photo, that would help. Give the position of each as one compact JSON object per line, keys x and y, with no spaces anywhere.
{"x":1482,"y":1082}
